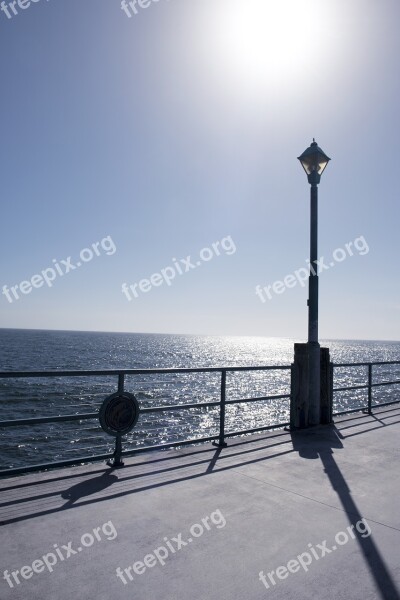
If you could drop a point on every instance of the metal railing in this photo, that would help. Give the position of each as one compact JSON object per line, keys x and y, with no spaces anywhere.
{"x":120,"y":375}
{"x":221,"y":403}
{"x":370,"y":385}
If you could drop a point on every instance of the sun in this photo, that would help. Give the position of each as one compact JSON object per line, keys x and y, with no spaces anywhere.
{"x":261,"y":43}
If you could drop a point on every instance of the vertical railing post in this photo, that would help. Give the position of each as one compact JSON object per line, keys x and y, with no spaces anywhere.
{"x":370,"y":388}
{"x":221,"y":442}
{"x":121,"y":380}
{"x":293,"y":387}
{"x":325,"y":392}
{"x":117,"y":462}
{"x":331,"y":366}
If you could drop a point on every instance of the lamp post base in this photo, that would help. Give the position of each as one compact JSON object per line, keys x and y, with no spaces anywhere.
{"x":311,"y":385}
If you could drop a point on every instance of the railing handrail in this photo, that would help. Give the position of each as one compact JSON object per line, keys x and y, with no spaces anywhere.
{"x":365,"y":364}
{"x":161,"y":370}
{"x":107,"y":372}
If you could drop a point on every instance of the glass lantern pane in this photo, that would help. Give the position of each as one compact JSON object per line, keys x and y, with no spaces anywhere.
{"x":307,"y":164}
{"x":321,"y":166}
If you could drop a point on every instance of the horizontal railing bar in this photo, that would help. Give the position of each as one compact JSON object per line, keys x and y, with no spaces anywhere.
{"x":254,"y":429}
{"x":352,"y":410}
{"x":98,"y":446}
{"x":365,"y":364}
{"x":178,"y":406}
{"x":386,"y":404}
{"x":277,"y":397}
{"x":98,"y":457}
{"x":205,"y":404}
{"x":78,"y":460}
{"x":196,"y":440}
{"x":360,"y":387}
{"x":48,"y":401}
{"x":38,"y":420}
{"x":170,"y":445}
{"x":56,"y":464}
{"x":110,"y":372}
{"x":353,"y":387}
{"x":365,"y":408}
{"x":386,"y":383}
{"x":171,"y":407}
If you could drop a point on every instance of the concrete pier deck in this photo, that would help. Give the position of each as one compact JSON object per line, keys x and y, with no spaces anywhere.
{"x":316,"y":512}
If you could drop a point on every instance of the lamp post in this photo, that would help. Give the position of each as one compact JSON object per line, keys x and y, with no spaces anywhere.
{"x":313,"y":161}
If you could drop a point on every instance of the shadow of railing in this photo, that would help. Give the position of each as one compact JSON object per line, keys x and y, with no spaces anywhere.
{"x":174,"y":468}
{"x":168,"y":468}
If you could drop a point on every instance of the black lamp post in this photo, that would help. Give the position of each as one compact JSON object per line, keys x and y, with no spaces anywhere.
{"x":313,"y":161}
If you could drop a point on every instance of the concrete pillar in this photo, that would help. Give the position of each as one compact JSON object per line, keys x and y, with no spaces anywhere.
{"x":301,"y":413}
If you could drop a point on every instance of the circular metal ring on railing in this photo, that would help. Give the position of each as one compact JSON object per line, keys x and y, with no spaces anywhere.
{"x":119,"y":413}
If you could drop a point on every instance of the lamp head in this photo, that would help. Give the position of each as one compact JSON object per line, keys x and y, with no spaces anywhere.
{"x":314,"y":161}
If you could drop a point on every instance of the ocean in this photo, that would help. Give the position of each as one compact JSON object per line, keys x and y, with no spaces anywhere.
{"x":22,"y":350}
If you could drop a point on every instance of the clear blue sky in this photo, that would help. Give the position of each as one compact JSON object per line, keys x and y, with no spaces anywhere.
{"x":180,"y":126}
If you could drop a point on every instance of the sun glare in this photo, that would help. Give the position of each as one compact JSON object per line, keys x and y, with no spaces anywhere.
{"x":260,"y":43}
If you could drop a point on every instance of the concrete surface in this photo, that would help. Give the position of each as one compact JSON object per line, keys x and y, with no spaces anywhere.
{"x":255,"y":506}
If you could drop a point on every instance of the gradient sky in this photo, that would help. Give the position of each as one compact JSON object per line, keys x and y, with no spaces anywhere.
{"x":180,"y":126}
